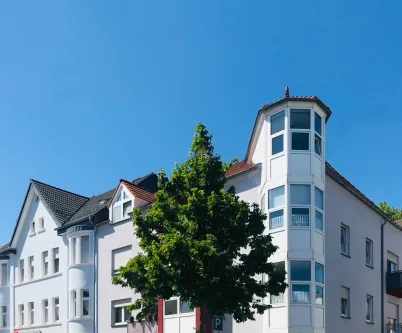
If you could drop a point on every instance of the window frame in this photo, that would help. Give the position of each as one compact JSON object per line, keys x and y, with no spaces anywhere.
{"x":45,"y":311}
{"x":32,"y":228}
{"x":21,"y":315}
{"x":31,"y":312}
{"x":291,"y":141}
{"x":299,"y":205}
{"x":56,"y":260}
{"x":318,"y":135}
{"x":280,"y":296}
{"x":347,"y":309}
{"x":85,"y":252}
{"x":85,"y":299}
{"x":31,"y":263}
{"x":2,"y":282}
{"x":303,"y":282}
{"x":127,"y":248}
{"x":119,"y":203}
{"x":276,"y":209}
{"x":45,"y":263}
{"x":4,"y":314}
{"x":21,"y":271}
{"x":277,"y":134}
{"x":319,"y":284}
{"x":347,"y":239}
{"x":369,"y":261}
{"x":73,"y":304}
{"x":56,"y":306}
{"x":120,"y":305}
{"x":178,"y":313}
{"x":369,"y":308}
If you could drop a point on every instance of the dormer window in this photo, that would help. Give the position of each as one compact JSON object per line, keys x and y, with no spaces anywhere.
{"x":122,"y":207}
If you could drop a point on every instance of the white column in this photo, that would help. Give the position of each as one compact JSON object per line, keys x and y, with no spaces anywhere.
{"x":79,"y":303}
{"x":51,"y":261}
{"x":78,"y":250}
{"x":70,"y":251}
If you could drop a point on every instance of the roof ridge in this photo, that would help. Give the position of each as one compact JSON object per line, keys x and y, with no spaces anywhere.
{"x":58,"y":188}
{"x":127,"y":181}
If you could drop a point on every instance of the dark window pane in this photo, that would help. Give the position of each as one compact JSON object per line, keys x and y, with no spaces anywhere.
{"x":317,"y":123}
{"x":300,"y":293}
{"x":319,"y":273}
{"x":317,"y":145}
{"x":185,"y":307}
{"x":300,"y":270}
{"x":278,"y":122}
{"x":277,"y":145}
{"x":299,"y":119}
{"x":171,"y":307}
{"x":319,"y":199}
{"x":300,"y":141}
{"x":319,"y":221}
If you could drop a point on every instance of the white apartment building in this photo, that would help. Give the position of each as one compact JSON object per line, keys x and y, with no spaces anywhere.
{"x":340,"y":252}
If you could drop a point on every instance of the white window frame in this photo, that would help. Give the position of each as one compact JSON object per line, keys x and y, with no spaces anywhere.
{"x":4,"y":317}
{"x":178,"y":313}
{"x":120,"y":204}
{"x":76,"y":248}
{"x":21,"y":315}
{"x":370,"y":305}
{"x":45,"y":311}
{"x":41,"y":224}
{"x":319,"y":284}
{"x":346,"y":230}
{"x":85,"y":299}
{"x":277,"y":134}
{"x":277,"y":208}
{"x":31,"y":312}
{"x":83,"y":250}
{"x":31,"y":263}
{"x":298,"y":205}
{"x":369,"y":258}
{"x":320,"y":136}
{"x":45,"y":263}
{"x":73,"y":304}
{"x":127,"y":248}
{"x":73,"y":243}
{"x":56,"y":260}
{"x":347,"y":309}
{"x":120,"y":305}
{"x":294,"y":282}
{"x":21,"y":270}
{"x":2,"y":282}
{"x":32,"y":228}
{"x":56,"y":306}
{"x":299,"y":130}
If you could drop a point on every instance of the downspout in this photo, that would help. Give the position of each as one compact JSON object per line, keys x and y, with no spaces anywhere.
{"x":382,"y":277}
{"x":95,"y":276}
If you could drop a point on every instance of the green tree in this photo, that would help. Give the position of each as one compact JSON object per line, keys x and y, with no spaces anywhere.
{"x":193,"y":243}
{"x":392,"y":212}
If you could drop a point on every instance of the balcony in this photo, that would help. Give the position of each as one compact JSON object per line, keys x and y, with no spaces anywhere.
{"x":393,"y":328}
{"x":394,"y":284}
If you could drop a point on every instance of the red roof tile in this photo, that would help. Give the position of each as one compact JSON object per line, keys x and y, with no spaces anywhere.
{"x":238,"y":168}
{"x":138,"y":191}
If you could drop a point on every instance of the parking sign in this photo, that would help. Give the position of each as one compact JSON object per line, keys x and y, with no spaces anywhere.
{"x":217,"y":324}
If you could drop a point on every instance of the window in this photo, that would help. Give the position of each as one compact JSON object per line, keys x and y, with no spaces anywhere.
{"x":117,"y":214}
{"x":300,"y":270}
{"x":300,"y":293}
{"x":31,"y":309}
{"x":3,"y":317}
{"x":74,"y":251}
{"x":45,"y":311}
{"x":125,"y":196}
{"x":118,"y":198}
{"x":300,"y":217}
{"x":120,"y":257}
{"x":31,"y":267}
{"x":319,"y":273}
{"x":317,"y":123}
{"x":84,"y":249}
{"x":278,"y":122}
{"x":45,"y":263}
{"x":391,"y":266}
{"x":369,"y":252}
{"x":121,"y":315}
{"x":56,"y":309}
{"x":21,"y":314}
{"x":279,"y":268}
{"x":73,"y":304}
{"x":22,"y":270}
{"x":171,"y":307}
{"x":42,"y":223}
{"x":369,"y":308}
{"x":319,"y":221}
{"x":32,"y":227}
{"x":317,"y":145}
{"x":300,"y":141}
{"x":56,"y":260}
{"x":276,"y":199}
{"x":345,"y":306}
{"x":4,"y":274}
{"x":127,"y":209}
{"x":345,"y":239}
{"x":185,"y":307}
{"x":277,"y":144}
{"x":85,"y":302}
{"x":300,"y":119}
{"x":319,"y":198}
{"x":300,"y":194}
{"x":319,"y":295}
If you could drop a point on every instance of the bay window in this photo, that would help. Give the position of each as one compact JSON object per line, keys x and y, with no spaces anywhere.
{"x":300,"y":271}
{"x":84,"y":249}
{"x":300,"y":120}
{"x":300,"y":195}
{"x":319,"y":287}
{"x":276,"y":200}
{"x":277,"y":132}
{"x":279,"y":269}
{"x":85,"y":302}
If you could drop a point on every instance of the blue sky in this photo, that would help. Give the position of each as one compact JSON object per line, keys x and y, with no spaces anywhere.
{"x":94,"y":91}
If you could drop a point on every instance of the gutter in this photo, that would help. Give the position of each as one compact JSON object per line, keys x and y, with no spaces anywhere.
{"x":382,"y":277}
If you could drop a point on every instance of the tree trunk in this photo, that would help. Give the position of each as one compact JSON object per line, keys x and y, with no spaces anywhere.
{"x":203,"y":318}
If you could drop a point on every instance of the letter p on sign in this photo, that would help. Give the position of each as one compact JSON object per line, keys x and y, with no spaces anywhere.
{"x":217,"y":324}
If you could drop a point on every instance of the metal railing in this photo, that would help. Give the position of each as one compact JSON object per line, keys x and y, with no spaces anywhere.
{"x":394,"y":328}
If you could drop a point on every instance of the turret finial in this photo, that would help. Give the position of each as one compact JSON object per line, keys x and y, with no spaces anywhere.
{"x":287,"y":92}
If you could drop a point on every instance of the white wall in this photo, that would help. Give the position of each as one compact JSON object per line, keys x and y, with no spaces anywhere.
{"x":343,"y":207}
{"x":49,"y":287}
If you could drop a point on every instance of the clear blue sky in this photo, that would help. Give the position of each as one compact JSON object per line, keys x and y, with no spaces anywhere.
{"x":94,"y":91}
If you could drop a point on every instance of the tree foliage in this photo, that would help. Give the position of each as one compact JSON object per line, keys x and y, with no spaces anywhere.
{"x":193,"y":242}
{"x":392,"y":212}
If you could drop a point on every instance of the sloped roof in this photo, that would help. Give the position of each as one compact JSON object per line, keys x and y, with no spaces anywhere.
{"x":61,"y":204}
{"x":239,"y":167}
{"x":148,"y":182}
{"x":139,"y":192}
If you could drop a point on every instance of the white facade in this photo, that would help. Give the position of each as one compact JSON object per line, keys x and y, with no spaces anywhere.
{"x":334,"y":244}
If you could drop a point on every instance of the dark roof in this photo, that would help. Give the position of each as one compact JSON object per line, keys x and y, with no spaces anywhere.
{"x":265,"y":107}
{"x":238,"y":167}
{"x":148,"y":182}
{"x":61,"y":204}
{"x":91,"y":207}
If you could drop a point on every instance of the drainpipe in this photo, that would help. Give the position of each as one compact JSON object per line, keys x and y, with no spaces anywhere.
{"x":382,"y":277}
{"x":95,"y":248}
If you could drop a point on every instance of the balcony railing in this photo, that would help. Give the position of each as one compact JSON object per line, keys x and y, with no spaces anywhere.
{"x":394,"y":283}
{"x":300,"y":220}
{"x":394,"y":328}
